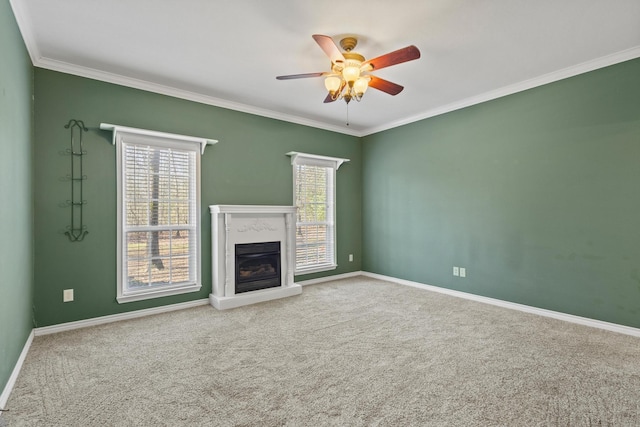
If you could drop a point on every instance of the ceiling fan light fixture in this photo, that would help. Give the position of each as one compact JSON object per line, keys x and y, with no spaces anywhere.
{"x":351,"y":69}
{"x":349,"y":77}
{"x":350,"y":74}
{"x":360,"y":86}
{"x":332,"y":83}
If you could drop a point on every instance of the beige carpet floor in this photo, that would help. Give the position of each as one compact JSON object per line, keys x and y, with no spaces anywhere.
{"x":356,"y":352}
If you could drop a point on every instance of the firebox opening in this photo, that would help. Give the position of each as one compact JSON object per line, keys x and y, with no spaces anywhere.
{"x":257,"y":266}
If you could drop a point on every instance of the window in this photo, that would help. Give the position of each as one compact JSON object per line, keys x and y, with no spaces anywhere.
{"x":158,"y":213}
{"x":314,"y":196}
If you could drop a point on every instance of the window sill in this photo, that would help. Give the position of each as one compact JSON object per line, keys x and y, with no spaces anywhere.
{"x":315,"y":269}
{"x":157,"y":293}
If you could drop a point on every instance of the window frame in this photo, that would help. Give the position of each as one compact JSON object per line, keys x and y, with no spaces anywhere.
{"x":133,"y":136}
{"x":332,"y":164}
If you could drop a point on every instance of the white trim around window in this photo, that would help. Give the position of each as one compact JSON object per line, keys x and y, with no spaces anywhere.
{"x":314,"y":194}
{"x":158,"y":213}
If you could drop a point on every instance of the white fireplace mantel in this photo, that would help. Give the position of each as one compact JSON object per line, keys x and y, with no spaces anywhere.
{"x":237,"y":224}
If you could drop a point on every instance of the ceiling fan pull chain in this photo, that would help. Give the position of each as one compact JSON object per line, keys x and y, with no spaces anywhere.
{"x":347,"y":114}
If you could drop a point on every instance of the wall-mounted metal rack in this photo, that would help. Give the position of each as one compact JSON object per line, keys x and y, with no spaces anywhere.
{"x":76,"y":231}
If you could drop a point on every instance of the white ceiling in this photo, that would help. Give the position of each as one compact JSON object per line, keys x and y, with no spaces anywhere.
{"x":228,"y":52}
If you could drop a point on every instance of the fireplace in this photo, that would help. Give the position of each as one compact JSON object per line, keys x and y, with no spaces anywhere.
{"x":257,"y":266}
{"x":253,"y":254}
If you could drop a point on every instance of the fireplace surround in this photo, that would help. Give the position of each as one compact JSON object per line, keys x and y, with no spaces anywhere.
{"x":252,"y":254}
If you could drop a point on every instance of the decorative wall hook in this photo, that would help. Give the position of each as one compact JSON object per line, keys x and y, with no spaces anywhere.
{"x":77,"y":230}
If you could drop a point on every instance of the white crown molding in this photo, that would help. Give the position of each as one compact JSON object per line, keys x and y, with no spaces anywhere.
{"x":91,"y":73}
{"x":121,"y":80}
{"x":47,"y":63}
{"x":8,"y":388}
{"x":61,"y":327}
{"x":28,"y":35}
{"x":554,"y":76}
{"x":585,"y":321}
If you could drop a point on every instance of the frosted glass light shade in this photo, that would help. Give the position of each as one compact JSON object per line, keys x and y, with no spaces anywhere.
{"x":361,"y":86}
{"x":332,"y":83}
{"x":351,"y":74}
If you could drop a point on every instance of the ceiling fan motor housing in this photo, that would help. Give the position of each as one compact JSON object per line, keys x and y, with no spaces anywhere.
{"x":348,"y":43}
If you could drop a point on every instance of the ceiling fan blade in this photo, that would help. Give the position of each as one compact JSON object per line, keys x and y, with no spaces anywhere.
{"x":399,"y":56}
{"x":385,"y":85}
{"x":328,"y":99}
{"x":330,"y":48}
{"x":301,"y":76}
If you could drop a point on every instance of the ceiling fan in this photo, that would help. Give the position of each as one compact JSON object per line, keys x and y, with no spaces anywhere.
{"x":350,"y":75}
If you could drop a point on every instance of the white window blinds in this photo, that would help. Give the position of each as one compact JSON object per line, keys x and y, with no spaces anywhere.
{"x":159,"y":208}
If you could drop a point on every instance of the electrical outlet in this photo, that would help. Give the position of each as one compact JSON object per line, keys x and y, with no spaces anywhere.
{"x":350,"y":257}
{"x":67,"y":295}
{"x":463,"y":272}
{"x":456,"y":271}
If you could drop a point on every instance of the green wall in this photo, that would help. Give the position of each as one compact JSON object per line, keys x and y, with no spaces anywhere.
{"x":247,"y":166}
{"x":534,"y":193}
{"x":537,"y":194}
{"x":16,"y":213}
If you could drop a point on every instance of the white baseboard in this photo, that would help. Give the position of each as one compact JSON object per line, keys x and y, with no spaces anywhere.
{"x":61,"y":327}
{"x":4,"y":397}
{"x":329,"y":278}
{"x":117,"y":317}
{"x":613,"y":327}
